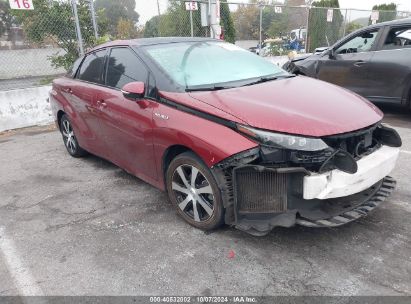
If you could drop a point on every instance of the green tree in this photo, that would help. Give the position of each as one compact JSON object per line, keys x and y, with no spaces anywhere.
{"x":321,"y":32}
{"x":275,"y":24}
{"x":116,"y":10}
{"x":227,"y":22}
{"x":151,"y":27}
{"x":126,"y":29}
{"x":247,"y":22}
{"x":52,"y":22}
{"x":176,"y":22}
{"x":387,"y":12}
{"x":6,"y":18}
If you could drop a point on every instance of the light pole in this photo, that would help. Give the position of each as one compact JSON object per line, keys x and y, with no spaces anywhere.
{"x":158,"y":7}
{"x":260,"y":5}
{"x":79,"y":37}
{"x":93,"y":19}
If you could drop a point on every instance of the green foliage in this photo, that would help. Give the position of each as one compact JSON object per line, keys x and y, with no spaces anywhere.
{"x":176,"y":21}
{"x":276,"y":49}
{"x":227,"y":22}
{"x":151,"y":27}
{"x":52,"y":23}
{"x":274,"y":25}
{"x":388,"y":12}
{"x":321,"y":32}
{"x":246,"y":20}
{"x":65,"y":61}
{"x":352,"y":27}
{"x":6,"y":19}
{"x":115,"y":10}
{"x":126,"y":29}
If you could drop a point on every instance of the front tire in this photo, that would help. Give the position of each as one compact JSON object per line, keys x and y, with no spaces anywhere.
{"x":194,"y":192}
{"x":69,"y":138}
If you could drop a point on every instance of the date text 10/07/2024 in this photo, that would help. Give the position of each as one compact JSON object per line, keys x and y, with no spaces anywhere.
{"x":203,"y":299}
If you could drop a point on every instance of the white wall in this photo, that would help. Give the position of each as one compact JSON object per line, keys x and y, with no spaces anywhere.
{"x":28,"y":62}
{"x":24,"y":108}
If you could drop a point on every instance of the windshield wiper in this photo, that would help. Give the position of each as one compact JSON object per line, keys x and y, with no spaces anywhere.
{"x":268,"y":78}
{"x":210,"y":88}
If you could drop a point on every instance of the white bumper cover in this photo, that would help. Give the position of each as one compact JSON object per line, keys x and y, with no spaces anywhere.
{"x":371,"y":169}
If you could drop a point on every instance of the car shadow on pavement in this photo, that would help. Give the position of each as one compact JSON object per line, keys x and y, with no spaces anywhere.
{"x":363,"y":226}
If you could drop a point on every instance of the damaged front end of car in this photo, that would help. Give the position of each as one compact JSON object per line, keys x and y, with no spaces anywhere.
{"x":314,"y":182}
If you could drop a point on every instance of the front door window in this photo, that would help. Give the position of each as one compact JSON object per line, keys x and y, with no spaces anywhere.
{"x":360,"y":43}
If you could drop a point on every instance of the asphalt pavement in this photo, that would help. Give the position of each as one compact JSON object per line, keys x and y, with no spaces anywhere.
{"x":85,"y":227}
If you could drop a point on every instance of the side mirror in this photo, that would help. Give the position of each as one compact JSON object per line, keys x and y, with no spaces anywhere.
{"x":133,"y":90}
{"x":331,"y":54}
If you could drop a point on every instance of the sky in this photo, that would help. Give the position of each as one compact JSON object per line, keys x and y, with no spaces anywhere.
{"x":148,"y":8}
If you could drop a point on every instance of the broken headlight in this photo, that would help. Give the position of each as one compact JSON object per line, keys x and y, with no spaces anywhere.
{"x":284,"y":141}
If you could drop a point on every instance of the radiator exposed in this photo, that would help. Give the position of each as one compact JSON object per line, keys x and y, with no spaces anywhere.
{"x":260,"y":192}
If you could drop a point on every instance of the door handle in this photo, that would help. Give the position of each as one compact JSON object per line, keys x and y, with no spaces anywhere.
{"x":101,"y":104}
{"x":359,"y":63}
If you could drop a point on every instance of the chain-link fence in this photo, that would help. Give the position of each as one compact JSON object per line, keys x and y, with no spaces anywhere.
{"x":299,"y":28}
{"x":36,"y":45}
{"x":326,"y":26}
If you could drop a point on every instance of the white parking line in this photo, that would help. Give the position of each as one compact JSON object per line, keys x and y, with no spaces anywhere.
{"x":21,"y":276}
{"x":405,"y":151}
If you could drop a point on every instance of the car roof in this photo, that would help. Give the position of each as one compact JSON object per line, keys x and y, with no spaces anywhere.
{"x":403,"y":21}
{"x":150,"y":41}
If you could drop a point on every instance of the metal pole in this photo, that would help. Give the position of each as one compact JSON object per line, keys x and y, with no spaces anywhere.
{"x":79,"y":37}
{"x":159,"y":19}
{"x":191,"y":23}
{"x":93,"y":18}
{"x":261,"y":27}
{"x":345,"y":22}
{"x":158,"y":8}
{"x":306,"y":31}
{"x":209,"y":19}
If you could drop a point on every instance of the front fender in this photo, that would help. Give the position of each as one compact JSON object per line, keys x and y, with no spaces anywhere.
{"x":211,"y":141}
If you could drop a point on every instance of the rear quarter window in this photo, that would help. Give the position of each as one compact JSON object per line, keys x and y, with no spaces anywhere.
{"x":92,"y":68}
{"x":73,"y":69}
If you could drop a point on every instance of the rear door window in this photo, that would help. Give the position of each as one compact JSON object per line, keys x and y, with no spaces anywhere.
{"x":92,"y":68}
{"x":124,"y":67}
{"x":398,"y":38}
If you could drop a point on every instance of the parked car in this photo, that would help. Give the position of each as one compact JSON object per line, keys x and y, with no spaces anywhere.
{"x":231,"y":137}
{"x":373,"y":62}
{"x":254,"y":49}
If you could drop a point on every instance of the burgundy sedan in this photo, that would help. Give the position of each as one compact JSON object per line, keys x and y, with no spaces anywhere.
{"x":231,"y":137}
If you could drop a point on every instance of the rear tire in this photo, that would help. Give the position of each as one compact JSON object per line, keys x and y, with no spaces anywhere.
{"x":194,"y":192}
{"x":69,"y":138}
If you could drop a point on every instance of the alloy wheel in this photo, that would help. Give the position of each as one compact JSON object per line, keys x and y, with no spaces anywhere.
{"x":68,"y":136}
{"x":193,"y":192}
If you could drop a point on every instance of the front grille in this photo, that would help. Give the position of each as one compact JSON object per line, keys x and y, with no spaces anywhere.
{"x":260,"y":191}
{"x":357,"y":144}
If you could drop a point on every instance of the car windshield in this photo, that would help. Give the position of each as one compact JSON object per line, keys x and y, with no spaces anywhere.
{"x":212,"y":64}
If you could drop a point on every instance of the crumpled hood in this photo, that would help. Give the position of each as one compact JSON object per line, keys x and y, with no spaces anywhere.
{"x":298,"y":105}
{"x":299,"y":58}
